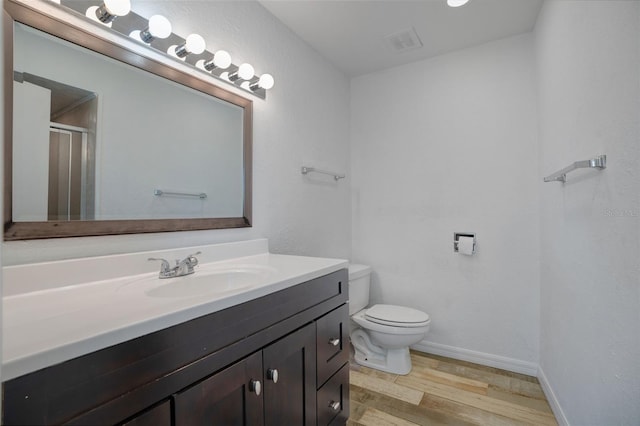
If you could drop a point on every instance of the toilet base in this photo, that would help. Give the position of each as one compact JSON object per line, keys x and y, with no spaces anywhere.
{"x":394,"y":361}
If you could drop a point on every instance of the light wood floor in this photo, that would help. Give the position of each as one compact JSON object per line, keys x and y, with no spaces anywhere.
{"x":443,"y":391}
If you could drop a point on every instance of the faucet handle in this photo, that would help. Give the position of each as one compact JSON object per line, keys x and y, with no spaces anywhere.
{"x":192,"y":259}
{"x":164,"y":267}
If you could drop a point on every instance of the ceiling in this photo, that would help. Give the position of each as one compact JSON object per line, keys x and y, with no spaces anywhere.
{"x":351,"y":33}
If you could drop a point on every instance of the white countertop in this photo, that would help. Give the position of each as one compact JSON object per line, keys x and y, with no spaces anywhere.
{"x":44,"y":327}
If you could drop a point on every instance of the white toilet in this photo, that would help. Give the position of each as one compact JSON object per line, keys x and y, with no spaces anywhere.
{"x":387,"y":330}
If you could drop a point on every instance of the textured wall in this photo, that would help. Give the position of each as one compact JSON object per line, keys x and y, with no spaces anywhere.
{"x":445,"y":145}
{"x":305,"y":120}
{"x":588,"y":55}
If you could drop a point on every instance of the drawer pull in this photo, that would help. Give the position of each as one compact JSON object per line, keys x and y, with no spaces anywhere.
{"x":334,"y":342}
{"x":272,"y":374}
{"x":334,"y":405}
{"x":255,"y":386}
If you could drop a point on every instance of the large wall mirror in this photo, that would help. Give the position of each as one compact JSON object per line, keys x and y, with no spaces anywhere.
{"x":104,"y":139}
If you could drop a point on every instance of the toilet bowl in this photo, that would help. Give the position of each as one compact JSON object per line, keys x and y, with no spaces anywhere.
{"x":382,"y":333}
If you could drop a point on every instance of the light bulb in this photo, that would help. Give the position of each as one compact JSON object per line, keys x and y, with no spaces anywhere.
{"x":222,"y":59}
{"x":195,"y":44}
{"x":108,"y":11}
{"x":159,"y":26}
{"x":245,"y":71}
{"x":457,"y":3}
{"x":118,"y":7}
{"x":266,"y":81}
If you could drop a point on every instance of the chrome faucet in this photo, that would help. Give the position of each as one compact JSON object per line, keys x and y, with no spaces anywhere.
{"x":183,"y":267}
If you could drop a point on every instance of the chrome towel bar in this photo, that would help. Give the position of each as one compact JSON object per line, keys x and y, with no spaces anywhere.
{"x":600,"y":162}
{"x":336,"y":176}
{"x":161,"y":193}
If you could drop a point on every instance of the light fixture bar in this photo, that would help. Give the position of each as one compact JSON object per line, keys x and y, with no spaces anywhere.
{"x":217,"y":64}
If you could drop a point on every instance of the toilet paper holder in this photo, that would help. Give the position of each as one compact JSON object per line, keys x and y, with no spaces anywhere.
{"x":456,"y":238}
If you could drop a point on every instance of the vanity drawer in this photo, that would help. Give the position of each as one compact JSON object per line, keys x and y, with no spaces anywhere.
{"x":332,"y":342}
{"x":333,"y":399}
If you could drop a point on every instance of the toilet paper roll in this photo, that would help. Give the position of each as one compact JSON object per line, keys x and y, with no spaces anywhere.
{"x":465,"y":245}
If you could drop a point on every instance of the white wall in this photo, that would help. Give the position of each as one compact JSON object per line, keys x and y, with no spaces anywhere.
{"x":304,"y":120}
{"x":31,"y":118}
{"x":445,"y":145}
{"x":588,"y":55}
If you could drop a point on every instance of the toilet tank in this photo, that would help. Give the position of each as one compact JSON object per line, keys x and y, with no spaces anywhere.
{"x":359,"y":282}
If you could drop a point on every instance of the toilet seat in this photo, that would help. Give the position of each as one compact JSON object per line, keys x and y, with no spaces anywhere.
{"x":397,"y":316}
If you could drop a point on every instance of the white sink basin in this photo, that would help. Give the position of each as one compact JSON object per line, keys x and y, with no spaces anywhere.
{"x":209,"y":280}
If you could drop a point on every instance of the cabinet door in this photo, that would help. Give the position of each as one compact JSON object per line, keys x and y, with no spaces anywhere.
{"x":290,"y":379}
{"x":231,"y":397}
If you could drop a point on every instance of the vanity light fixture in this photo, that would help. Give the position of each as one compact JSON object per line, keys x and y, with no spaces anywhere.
{"x":245,"y":72}
{"x":221,"y":60}
{"x":193,"y":44}
{"x":219,"y":66}
{"x":108,"y":11}
{"x":158,"y":27}
{"x":457,"y":3}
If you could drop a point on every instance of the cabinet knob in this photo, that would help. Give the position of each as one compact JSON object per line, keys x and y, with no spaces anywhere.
{"x":334,"y":341}
{"x":272,"y":374}
{"x":334,"y":405}
{"x":255,"y":386}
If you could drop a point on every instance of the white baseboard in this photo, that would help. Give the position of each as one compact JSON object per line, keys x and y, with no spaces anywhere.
{"x":490,"y":360}
{"x":552,"y":399}
{"x":504,"y":363}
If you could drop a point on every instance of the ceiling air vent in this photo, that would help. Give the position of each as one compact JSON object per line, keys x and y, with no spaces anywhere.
{"x":404,"y":40}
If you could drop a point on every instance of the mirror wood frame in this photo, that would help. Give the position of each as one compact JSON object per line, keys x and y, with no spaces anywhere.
{"x":116,"y":46}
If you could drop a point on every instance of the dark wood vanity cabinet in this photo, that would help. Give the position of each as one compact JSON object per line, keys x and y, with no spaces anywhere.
{"x":281,"y":359}
{"x":270,"y":387}
{"x":278,"y":382}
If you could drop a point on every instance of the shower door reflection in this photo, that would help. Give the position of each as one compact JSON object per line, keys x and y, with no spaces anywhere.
{"x":68,"y":168}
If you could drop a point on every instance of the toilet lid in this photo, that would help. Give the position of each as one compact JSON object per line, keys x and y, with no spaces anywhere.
{"x":396,"y":315}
